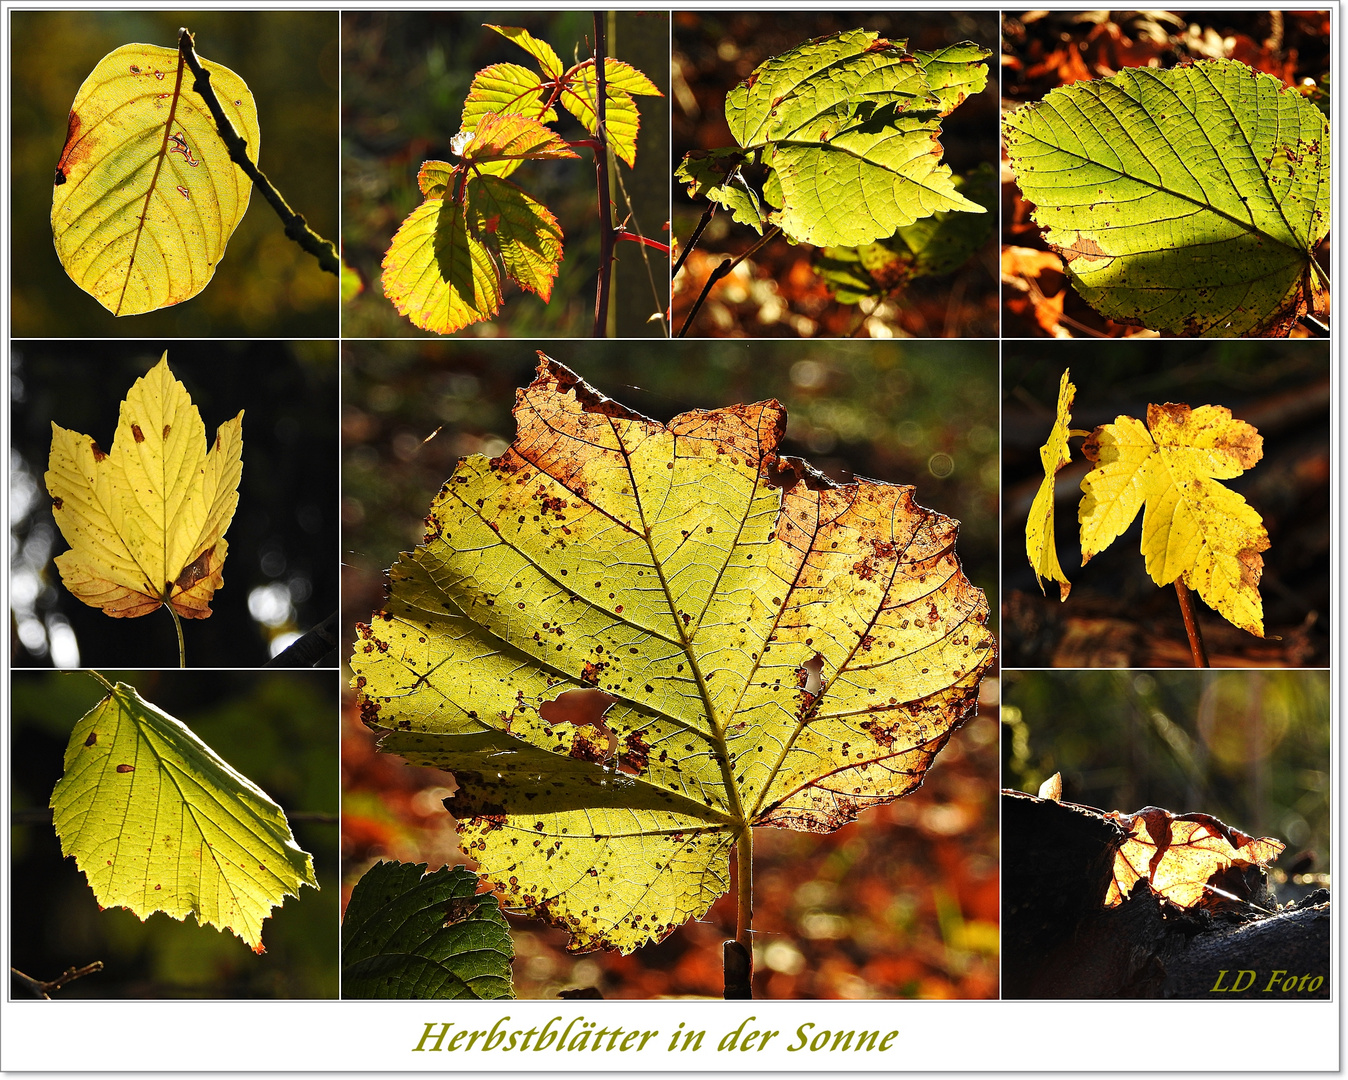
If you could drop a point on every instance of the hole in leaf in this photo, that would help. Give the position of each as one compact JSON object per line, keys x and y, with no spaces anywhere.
{"x":582,"y":707}
{"x":810,"y":675}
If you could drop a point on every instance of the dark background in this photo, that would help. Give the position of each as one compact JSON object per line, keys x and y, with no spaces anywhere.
{"x":277,"y":728}
{"x":284,"y":532}
{"x":713,"y":52}
{"x":901,"y":903}
{"x":265,"y":285}
{"x":405,"y":77}
{"x":1116,"y":615}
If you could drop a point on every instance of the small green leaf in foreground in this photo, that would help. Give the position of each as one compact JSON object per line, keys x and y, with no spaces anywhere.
{"x":412,"y":935}
{"x":1189,"y":200}
{"x":158,"y":822}
{"x":146,"y":196}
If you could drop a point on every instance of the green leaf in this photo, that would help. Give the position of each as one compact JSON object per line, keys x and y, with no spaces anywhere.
{"x":715,"y":175}
{"x":1189,"y":200}
{"x":158,"y":822}
{"x":521,"y":230}
{"x":145,"y":196}
{"x":505,"y":89}
{"x":631,"y":642}
{"x":849,"y":126}
{"x":541,"y":51}
{"x":581,"y":96}
{"x":412,"y":935}
{"x":937,"y":245}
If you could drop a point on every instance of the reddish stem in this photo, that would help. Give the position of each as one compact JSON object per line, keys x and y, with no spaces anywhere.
{"x":1186,"y":603}
{"x":623,"y":234}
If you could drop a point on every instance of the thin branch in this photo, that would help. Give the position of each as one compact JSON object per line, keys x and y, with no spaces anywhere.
{"x":307,"y":650}
{"x":727,"y":265}
{"x":177,"y":625}
{"x":42,"y":989}
{"x":622,"y":234}
{"x":702,"y":223}
{"x":601,"y":174}
{"x":295,"y":226}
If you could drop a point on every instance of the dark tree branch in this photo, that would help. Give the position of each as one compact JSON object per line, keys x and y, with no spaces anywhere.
{"x":295,"y":226}
{"x":306,"y":651}
{"x":43,"y":990}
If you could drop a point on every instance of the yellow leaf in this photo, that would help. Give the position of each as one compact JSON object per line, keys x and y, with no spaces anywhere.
{"x":146,"y":196}
{"x":146,"y":522}
{"x":1193,"y":528}
{"x":1040,"y":544}
{"x":1181,"y":855}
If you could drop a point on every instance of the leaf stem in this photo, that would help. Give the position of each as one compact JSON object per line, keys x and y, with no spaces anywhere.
{"x":296,"y":228}
{"x":702,"y":223}
{"x":744,"y":887}
{"x":1186,"y":603}
{"x":601,"y":174}
{"x":177,"y":625}
{"x":94,"y":674}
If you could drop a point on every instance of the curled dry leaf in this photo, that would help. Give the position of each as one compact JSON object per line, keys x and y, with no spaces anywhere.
{"x":631,"y":641}
{"x":1183,"y":857}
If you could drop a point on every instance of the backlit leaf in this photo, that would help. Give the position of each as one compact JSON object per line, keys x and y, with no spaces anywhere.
{"x":621,"y":118}
{"x":935,"y":245}
{"x":158,"y":822}
{"x":630,"y":642}
{"x":1193,"y":528}
{"x":146,"y":197}
{"x":715,"y":175}
{"x":506,"y":88}
{"x":1188,"y":200}
{"x":1040,"y":545}
{"x":146,"y":521}
{"x":412,"y":935}
{"x":1182,"y":857}
{"x":548,"y":60}
{"x":849,"y":126}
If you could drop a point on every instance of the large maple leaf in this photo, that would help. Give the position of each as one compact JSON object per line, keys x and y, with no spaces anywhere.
{"x":146,"y":521}
{"x":633,"y":642}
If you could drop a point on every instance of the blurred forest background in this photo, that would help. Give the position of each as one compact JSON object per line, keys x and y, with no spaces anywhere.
{"x":1251,"y":748}
{"x":776,"y":292}
{"x":404,"y":79}
{"x":277,"y":728}
{"x":1042,"y":50}
{"x":1116,"y":616}
{"x":265,"y":286}
{"x":279,"y":576}
{"x":902,"y":903}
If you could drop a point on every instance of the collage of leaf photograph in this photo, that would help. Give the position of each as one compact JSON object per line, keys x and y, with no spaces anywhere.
{"x":614,"y":484}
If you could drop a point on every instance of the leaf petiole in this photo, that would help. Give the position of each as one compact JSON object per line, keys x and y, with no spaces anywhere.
{"x":177,"y":625}
{"x":95,"y":675}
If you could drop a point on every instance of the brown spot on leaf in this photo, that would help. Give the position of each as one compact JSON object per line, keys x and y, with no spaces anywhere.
{"x":1085,"y":248}
{"x":57,"y":502}
{"x":126,"y":768}
{"x":96,"y":450}
{"x":93,"y":738}
{"x":137,"y":434}
{"x":194,"y":571}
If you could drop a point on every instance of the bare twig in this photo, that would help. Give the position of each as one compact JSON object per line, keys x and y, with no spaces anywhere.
{"x":295,"y":226}
{"x":42,"y":989}
{"x":601,"y":174}
{"x":727,"y":265}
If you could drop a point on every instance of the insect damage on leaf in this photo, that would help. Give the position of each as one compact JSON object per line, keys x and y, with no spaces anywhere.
{"x":1190,"y":859}
{"x":146,"y":196}
{"x":180,"y":831}
{"x":630,"y":641}
{"x":146,"y":521}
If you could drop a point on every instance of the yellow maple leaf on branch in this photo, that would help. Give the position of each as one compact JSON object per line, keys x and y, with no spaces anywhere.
{"x":1193,"y":528}
{"x":146,"y":521}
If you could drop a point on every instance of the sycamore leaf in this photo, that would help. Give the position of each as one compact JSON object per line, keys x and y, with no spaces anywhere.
{"x":146,"y":196}
{"x":849,"y":127}
{"x":441,"y":270}
{"x":1040,"y":545}
{"x":146,"y":522}
{"x":1183,"y":857}
{"x":1193,"y":527}
{"x":630,"y":642}
{"x":935,"y":245}
{"x":410,"y":935}
{"x":158,"y":822}
{"x":1189,"y":200}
